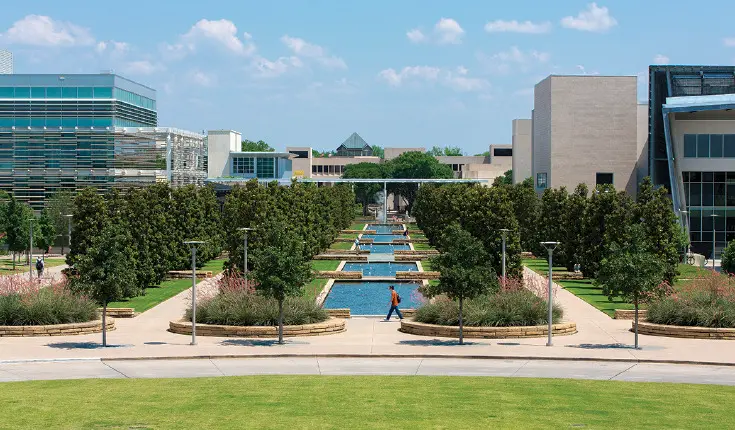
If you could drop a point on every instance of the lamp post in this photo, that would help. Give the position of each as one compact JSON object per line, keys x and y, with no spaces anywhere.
{"x":68,"y":231}
{"x":193,"y":244}
{"x":714,"y":220}
{"x":504,"y":232}
{"x":30,"y":249}
{"x":685,"y":222}
{"x":550,"y":247}
{"x":245,"y":250}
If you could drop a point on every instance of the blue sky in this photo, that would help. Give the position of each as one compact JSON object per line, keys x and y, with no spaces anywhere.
{"x":400,"y":73}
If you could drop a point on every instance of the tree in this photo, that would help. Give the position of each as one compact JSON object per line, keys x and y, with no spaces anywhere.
{"x":484,"y":154}
{"x":280,"y":268}
{"x":46,"y":232}
{"x":59,"y":205}
{"x":526,"y":207}
{"x":378,"y":151}
{"x":107,"y":269}
{"x":571,"y":243}
{"x":450,"y":151}
{"x":365,"y":193}
{"x":465,"y":267}
{"x":17,"y":227}
{"x":415,"y":165}
{"x":324,"y":154}
{"x":90,"y":218}
{"x":632,"y":270}
{"x":728,"y":258}
{"x":259,"y":146}
{"x":551,"y":221}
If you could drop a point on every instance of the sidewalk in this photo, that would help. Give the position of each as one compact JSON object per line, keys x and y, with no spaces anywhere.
{"x":599,"y":338}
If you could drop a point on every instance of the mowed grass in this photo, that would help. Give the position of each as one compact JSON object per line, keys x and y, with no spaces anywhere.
{"x":341,"y":245}
{"x":422,"y":247}
{"x":314,"y":287}
{"x":357,"y":226}
{"x":356,"y":402}
{"x":6,"y":265}
{"x":157,"y":295}
{"x":324,"y":264}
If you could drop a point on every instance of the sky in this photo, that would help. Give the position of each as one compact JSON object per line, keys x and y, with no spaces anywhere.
{"x":410,"y":73}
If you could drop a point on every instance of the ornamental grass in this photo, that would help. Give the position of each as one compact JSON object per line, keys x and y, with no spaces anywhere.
{"x":25,"y":302}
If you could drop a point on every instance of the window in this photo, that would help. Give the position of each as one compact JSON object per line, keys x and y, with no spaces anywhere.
{"x":604,"y":179}
{"x":502,"y":152}
{"x":703,"y":146}
{"x":7,"y":92}
{"x":242,"y":165}
{"x":102,"y":93}
{"x":690,"y":146}
{"x":300,"y":154}
{"x":715,"y":146}
{"x":729,"y":149}
{"x":86,"y":92}
{"x":53,"y":92}
{"x":541,"y":180}
{"x":38,"y":93}
{"x":313,"y":169}
{"x":69,"y":92}
{"x":319,"y":169}
{"x":266,"y":168}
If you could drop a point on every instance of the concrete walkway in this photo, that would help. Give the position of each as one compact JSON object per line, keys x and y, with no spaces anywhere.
{"x":599,"y":338}
{"x":190,"y":368}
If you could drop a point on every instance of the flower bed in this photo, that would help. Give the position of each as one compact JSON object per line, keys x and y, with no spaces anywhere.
{"x":28,"y":303}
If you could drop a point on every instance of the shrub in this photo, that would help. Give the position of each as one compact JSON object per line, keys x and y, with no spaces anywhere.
{"x":709,"y":301}
{"x":728,"y":258}
{"x":241,"y":307}
{"x":512,"y":306}
{"x":23,"y":302}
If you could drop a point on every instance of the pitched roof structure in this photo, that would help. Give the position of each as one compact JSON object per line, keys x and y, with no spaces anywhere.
{"x":355,"y":142}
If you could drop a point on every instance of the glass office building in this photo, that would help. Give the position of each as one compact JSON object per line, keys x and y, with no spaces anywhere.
{"x":67,"y":132}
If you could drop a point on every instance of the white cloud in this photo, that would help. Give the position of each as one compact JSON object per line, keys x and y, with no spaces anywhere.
{"x":661,"y":59}
{"x":515,"y":55}
{"x":583,"y":70}
{"x":416,"y":36}
{"x":302,"y":48}
{"x":461,"y":82}
{"x":41,"y":30}
{"x":448,"y":31}
{"x":594,"y":18}
{"x":112,"y":47}
{"x":500,"y":26}
{"x":457,"y":79}
{"x":141,"y":67}
{"x":203,"y":79}
{"x":729,"y":41}
{"x":265,"y":68}
{"x":396,"y":79}
{"x":222,"y":32}
{"x":505,"y":62}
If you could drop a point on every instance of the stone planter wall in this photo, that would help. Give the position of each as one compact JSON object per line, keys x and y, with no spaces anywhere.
{"x":118,"y":312}
{"x":629,"y":314}
{"x":417,"y":275}
{"x":345,"y":251}
{"x":56,"y":329}
{"x":366,"y":241}
{"x":397,"y":231}
{"x":566,"y":276}
{"x":336,"y":274}
{"x":652,"y":329}
{"x":412,"y":257}
{"x":331,"y":326}
{"x":415,"y":252}
{"x":359,"y":231}
{"x":339,"y":313}
{"x":341,"y":256}
{"x":421,"y":329}
{"x":186,"y":274}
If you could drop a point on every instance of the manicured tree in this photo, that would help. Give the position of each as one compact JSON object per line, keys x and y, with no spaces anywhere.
{"x":661,"y":227}
{"x":632,"y":270}
{"x":107,"y":269}
{"x":571,"y":242}
{"x":17,"y":226}
{"x":551,"y":221}
{"x":526,"y":206}
{"x":46,"y":232}
{"x":58,"y":206}
{"x":466,"y":269}
{"x":728,"y":258}
{"x":607,"y":216}
{"x":365,"y":193}
{"x":90,"y":218}
{"x":279,"y":269}
{"x":259,"y":146}
{"x":414,"y":165}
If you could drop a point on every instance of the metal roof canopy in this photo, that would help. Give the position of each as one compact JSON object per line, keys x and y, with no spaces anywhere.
{"x":395,"y":181}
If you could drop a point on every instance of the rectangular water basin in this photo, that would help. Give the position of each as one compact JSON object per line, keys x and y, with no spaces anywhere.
{"x":380,"y":269}
{"x":384,"y":228}
{"x":382,"y":238}
{"x":371,"y":298}
{"x":384,"y":248}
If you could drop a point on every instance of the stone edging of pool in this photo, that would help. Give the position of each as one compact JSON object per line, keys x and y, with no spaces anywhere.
{"x":689,"y":332}
{"x":330,"y":326}
{"x":56,"y":329}
{"x":422,"y":329}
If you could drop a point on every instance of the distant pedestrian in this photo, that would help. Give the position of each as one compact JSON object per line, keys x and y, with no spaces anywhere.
{"x":39,"y":267}
{"x":357,"y":244}
{"x":405,"y":233}
{"x":395,"y":300}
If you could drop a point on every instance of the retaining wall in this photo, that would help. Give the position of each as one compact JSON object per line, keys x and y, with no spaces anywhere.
{"x":351,"y":257}
{"x":421,"y":329}
{"x":418,"y":275}
{"x":629,"y":314}
{"x":56,"y":329}
{"x":334,"y":274}
{"x":652,"y":329}
{"x":331,"y":326}
{"x":118,"y":312}
{"x":186,"y":274}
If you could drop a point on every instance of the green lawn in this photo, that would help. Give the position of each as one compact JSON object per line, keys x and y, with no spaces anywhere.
{"x":6,"y":265}
{"x":356,"y":402}
{"x":341,"y":245}
{"x":417,"y":236}
{"x":357,"y":226}
{"x":313,"y":288}
{"x":167,"y":289}
{"x":348,"y":235}
{"x":324,"y":264}
{"x":422,"y":246}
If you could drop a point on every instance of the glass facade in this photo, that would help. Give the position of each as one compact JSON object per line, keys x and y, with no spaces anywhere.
{"x":541,"y":181}
{"x":709,"y":193}
{"x":243,"y":165}
{"x":266,"y":168}
{"x":709,"y":146}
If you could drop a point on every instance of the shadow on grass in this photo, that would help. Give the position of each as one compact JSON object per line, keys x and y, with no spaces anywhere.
{"x":434,"y":342}
{"x":261,"y":342}
{"x":83,"y":345}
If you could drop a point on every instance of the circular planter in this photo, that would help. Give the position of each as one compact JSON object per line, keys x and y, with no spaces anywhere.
{"x":652,"y":329}
{"x":56,"y":329}
{"x":330,"y":326}
{"x":421,"y":329}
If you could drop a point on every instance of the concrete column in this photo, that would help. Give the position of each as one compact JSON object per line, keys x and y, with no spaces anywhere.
{"x":385,"y":201}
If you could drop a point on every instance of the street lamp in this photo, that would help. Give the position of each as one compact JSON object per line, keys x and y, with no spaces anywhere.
{"x":193,"y":244}
{"x":68,"y":231}
{"x":685,"y":222}
{"x":504,"y":232}
{"x":30,"y":249}
{"x":550,"y":247}
{"x":714,"y":216}
{"x":245,"y":250}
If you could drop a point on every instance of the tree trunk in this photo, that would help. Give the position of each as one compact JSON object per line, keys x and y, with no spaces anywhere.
{"x":635,"y":302}
{"x":280,"y":321}
{"x":461,"y":334}
{"x":13,"y":261}
{"x":104,"y":323}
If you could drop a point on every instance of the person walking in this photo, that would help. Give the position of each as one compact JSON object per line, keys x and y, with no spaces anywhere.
{"x":39,"y":267}
{"x":395,"y":300}
{"x":357,"y":244}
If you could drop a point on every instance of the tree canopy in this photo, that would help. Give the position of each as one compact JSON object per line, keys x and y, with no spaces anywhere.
{"x":437,"y":151}
{"x":365,"y":193}
{"x":259,"y":146}
{"x":414,"y":165}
